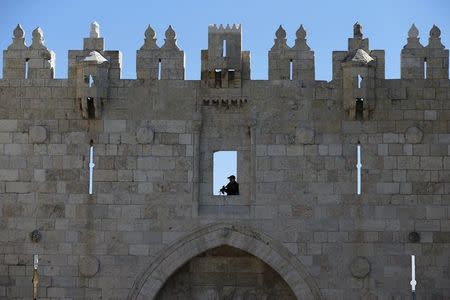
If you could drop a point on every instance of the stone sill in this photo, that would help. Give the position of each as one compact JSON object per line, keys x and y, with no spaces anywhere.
{"x":224,"y":200}
{"x":224,"y":210}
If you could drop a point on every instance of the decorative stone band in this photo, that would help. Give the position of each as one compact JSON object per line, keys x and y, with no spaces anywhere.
{"x":238,"y":102}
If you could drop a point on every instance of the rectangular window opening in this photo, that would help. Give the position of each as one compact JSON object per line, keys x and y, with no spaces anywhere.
{"x":26,"y":68}
{"x":224,"y":167}
{"x":359,"y":109}
{"x":218,"y":78}
{"x":90,"y":80}
{"x":425,"y":67}
{"x":224,"y":48}
{"x":230,"y":77}
{"x":360,"y":79}
{"x":159,"y":69}
{"x":358,"y":168}
{"x":290,"y":69}
{"x":90,"y":108}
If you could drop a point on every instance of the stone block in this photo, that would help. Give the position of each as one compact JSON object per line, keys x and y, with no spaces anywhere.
{"x":115,"y":125}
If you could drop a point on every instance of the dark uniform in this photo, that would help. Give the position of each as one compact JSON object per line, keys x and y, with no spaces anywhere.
{"x":232,"y":188}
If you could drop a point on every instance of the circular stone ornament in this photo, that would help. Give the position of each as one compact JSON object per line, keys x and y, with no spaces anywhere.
{"x":304,"y":135}
{"x":89,"y":266}
{"x":145,"y":135}
{"x":360,"y":267}
{"x":35,"y":236}
{"x":37,"y":134}
{"x":413,"y":135}
{"x":414,"y":237}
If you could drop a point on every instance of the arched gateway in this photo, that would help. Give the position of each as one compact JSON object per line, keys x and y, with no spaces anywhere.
{"x":151,"y":280}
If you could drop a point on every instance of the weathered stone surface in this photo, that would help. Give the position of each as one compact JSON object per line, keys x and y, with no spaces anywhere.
{"x":153,"y":221}
{"x":145,"y":135}
{"x":304,"y":135}
{"x":360,"y":267}
{"x":37,"y":134}
{"x":413,"y":135}
{"x":88,"y":266}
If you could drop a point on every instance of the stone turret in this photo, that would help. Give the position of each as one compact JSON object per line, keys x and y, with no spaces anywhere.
{"x":358,"y":68}
{"x":22,"y":62}
{"x":153,"y":62}
{"x":286,"y":63}
{"x":436,"y":56}
{"x":224,"y":64}
{"x":90,"y":71}
{"x":413,"y":56}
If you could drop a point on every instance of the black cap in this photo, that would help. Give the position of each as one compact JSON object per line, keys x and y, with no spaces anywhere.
{"x":231,"y":177}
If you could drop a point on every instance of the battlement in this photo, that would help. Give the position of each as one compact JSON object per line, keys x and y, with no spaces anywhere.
{"x":234,"y":28}
{"x":224,"y":52}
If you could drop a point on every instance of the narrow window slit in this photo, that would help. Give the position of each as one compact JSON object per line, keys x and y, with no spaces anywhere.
{"x":26,"y":68}
{"x":425,"y":68}
{"x":218,"y":78}
{"x":90,"y":80}
{"x":90,"y":108}
{"x":290,"y":69}
{"x":358,"y":168}
{"x":231,"y":77}
{"x":360,"y":79}
{"x":359,"y":109}
{"x":91,"y":166}
{"x":159,"y":69}
{"x":224,"y":48}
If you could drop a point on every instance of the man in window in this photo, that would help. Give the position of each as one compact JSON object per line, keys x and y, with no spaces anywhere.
{"x":232,"y":188}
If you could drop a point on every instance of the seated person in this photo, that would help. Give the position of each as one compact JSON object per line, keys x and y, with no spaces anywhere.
{"x":232,"y":188}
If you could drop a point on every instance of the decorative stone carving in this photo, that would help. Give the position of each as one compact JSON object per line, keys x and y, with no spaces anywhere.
{"x":88,"y":266}
{"x":35,"y":236}
{"x":145,"y":135}
{"x":414,"y":237}
{"x":37,"y":134}
{"x":95,"y":30}
{"x":413,"y":31}
{"x":413,"y":135}
{"x":18,"y":32}
{"x":304,"y":135}
{"x":360,"y":267}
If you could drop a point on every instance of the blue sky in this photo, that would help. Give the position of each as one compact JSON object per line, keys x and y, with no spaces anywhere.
{"x":328,"y":24}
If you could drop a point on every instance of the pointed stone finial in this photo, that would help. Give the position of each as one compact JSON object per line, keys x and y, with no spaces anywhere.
{"x":435,"y":32}
{"x":280,"y":33}
{"x":95,"y":30}
{"x":434,"y":41}
{"x":300,"y":41}
{"x":150,"y":33}
{"x":18,"y":40}
{"x":357,"y":30}
{"x":413,"y":32}
{"x":170,"y":33}
{"x":38,"y":38}
{"x":18,"y":32}
{"x":413,"y":38}
{"x":150,"y":39}
{"x":170,"y":41}
{"x":301,"y":33}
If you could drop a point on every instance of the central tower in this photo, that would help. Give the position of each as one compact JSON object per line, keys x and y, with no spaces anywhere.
{"x":224,"y":64}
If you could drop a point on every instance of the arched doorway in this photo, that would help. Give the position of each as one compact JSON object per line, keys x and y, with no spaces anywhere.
{"x":260,"y":245}
{"x":225,"y":273}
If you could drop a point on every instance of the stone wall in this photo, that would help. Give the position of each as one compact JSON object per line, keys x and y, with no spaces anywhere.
{"x":152,"y":209}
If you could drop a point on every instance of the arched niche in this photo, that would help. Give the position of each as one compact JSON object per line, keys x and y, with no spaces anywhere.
{"x":170,"y":259}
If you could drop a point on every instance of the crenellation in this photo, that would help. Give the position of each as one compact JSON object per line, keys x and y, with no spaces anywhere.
{"x":154,"y":228}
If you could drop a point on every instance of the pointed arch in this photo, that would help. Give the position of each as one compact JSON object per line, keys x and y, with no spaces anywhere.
{"x":150,"y":281}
